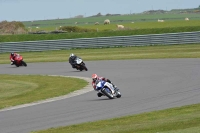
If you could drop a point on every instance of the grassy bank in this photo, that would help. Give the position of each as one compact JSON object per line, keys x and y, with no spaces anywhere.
{"x":141,"y":28}
{"x":22,"y":89}
{"x":122,"y":53}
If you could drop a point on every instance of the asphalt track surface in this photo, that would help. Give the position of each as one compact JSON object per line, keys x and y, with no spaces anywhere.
{"x":146,"y":85}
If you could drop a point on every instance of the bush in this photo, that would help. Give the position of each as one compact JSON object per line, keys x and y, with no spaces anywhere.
{"x":13,"y":27}
{"x":75,"y":29}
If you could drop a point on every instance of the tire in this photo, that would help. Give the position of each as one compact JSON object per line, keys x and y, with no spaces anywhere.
{"x":109,"y":95}
{"x":118,"y":94}
{"x":24,"y":63}
{"x":84,"y":67}
{"x":15,"y":63}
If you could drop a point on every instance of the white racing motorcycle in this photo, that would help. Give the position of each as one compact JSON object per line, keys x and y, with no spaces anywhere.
{"x":107,"y":89}
{"x":80,"y":65}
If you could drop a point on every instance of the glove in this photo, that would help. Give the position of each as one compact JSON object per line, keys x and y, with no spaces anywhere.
{"x":108,"y":80}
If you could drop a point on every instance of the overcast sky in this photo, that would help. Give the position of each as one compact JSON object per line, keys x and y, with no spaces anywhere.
{"x":26,"y":10}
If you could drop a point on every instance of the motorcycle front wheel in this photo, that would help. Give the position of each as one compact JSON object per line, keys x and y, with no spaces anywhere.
{"x":83,"y":67}
{"x":24,"y":63}
{"x":118,"y":94}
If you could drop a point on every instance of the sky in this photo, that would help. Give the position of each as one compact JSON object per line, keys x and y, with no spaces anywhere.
{"x":30,"y":10}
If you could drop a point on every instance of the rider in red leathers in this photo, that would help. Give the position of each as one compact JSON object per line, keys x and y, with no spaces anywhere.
{"x":12,"y":58}
{"x":95,"y":78}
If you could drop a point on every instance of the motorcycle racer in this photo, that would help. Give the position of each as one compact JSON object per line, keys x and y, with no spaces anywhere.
{"x":72,"y":58}
{"x":12,"y":58}
{"x":95,"y":78}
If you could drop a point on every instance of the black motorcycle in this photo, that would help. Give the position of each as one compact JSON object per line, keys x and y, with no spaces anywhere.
{"x":80,"y":65}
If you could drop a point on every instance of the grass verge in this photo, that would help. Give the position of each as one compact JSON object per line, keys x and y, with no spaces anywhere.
{"x":22,"y":89}
{"x":184,"y":119}
{"x":120,"y":53}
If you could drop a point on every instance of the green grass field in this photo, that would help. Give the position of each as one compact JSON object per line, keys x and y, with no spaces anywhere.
{"x":114,"y":19}
{"x":129,"y":25}
{"x":22,"y":89}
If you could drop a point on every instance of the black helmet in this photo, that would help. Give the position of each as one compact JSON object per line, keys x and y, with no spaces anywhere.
{"x":11,"y":54}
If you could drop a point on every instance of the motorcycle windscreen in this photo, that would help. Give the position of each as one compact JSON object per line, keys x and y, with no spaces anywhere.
{"x":78,"y":60}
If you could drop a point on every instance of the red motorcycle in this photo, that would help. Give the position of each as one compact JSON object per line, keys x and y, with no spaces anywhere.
{"x":19,"y":61}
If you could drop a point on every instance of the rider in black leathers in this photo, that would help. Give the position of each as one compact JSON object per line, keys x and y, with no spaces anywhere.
{"x":72,"y":58}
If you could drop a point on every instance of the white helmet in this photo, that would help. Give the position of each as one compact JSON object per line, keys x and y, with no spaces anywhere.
{"x":71,"y":54}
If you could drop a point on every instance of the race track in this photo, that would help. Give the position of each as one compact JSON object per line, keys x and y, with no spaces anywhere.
{"x":146,"y":85}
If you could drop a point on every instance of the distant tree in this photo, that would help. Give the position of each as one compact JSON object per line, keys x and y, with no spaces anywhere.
{"x":108,"y":14}
{"x":99,"y":14}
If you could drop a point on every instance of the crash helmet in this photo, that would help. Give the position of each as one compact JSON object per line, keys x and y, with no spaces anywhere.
{"x":94,"y":77}
{"x":71,"y":55}
{"x":12,"y":54}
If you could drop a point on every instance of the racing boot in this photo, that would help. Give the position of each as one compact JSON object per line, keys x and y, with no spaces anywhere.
{"x":11,"y":63}
{"x":99,"y":94}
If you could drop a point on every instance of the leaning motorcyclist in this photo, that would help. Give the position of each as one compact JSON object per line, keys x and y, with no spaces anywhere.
{"x":72,"y":61}
{"x":95,"y":78}
{"x":12,"y":57}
